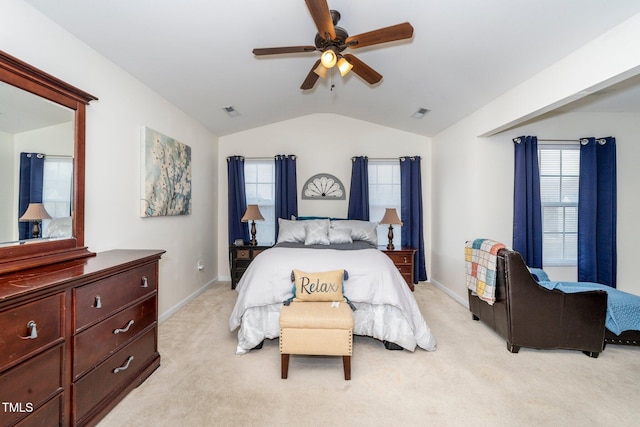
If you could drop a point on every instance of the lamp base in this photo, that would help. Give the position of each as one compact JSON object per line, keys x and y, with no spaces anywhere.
{"x":253,"y":241}
{"x":390,"y":235}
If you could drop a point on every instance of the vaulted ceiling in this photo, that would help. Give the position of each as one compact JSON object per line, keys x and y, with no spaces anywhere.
{"x":463,"y":54}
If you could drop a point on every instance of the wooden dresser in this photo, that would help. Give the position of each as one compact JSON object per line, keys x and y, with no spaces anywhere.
{"x":76,"y":337}
{"x":403,"y":260}
{"x":239,"y":259}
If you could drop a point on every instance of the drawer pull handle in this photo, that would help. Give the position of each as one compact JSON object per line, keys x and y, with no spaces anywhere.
{"x":145,"y":282}
{"x":123,"y":367}
{"x":125,"y":329}
{"x":98,"y":303}
{"x":33,"y":332}
{"x":405,"y":260}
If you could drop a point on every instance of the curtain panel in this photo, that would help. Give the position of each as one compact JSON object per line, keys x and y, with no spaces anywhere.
{"x":412,"y":213}
{"x":286,"y":198}
{"x":359,"y":191}
{"x":30,"y":190}
{"x":237,"y":199}
{"x":597,"y":253}
{"x":527,"y":205}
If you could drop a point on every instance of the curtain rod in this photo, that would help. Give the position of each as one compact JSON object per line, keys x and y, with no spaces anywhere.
{"x":558,"y":140}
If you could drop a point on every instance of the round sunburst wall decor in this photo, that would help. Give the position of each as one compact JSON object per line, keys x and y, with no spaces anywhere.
{"x":323,"y":186}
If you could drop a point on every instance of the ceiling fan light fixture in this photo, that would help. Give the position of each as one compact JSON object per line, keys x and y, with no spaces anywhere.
{"x":321,"y":70}
{"x":328,"y":58}
{"x":344,"y":66}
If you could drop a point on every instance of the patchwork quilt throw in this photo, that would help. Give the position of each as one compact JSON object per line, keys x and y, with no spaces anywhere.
{"x":481,"y":257}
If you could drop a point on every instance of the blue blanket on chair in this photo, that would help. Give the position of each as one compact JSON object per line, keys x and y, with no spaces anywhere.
{"x":623,"y":309}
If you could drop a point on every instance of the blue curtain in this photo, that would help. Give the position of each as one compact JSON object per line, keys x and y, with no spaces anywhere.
{"x":411,"y":213}
{"x":286,"y":199}
{"x":237,"y":199}
{"x":359,"y":192}
{"x":597,"y":257}
{"x":527,"y":209}
{"x":30,"y":191}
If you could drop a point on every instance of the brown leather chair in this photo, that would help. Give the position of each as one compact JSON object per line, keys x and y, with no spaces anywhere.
{"x":528,"y":315}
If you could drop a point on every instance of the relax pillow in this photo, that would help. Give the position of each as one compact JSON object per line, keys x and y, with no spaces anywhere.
{"x":321,"y":286}
{"x":360,"y":230}
{"x":340,"y":235}
{"x":317,"y":232}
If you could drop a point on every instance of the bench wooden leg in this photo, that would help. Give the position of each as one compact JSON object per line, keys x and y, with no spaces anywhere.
{"x":346,"y":363}
{"x":284,"y":359}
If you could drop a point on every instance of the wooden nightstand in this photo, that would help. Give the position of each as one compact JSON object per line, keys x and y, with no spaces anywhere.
{"x":239,"y":259}
{"x":403,"y":259}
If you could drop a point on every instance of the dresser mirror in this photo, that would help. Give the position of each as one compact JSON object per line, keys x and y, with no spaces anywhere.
{"x":41,"y":114}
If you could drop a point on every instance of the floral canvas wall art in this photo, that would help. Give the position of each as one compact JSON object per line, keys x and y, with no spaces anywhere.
{"x":166,"y":175}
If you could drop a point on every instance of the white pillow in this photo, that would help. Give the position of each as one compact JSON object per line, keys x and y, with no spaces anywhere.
{"x":340,"y":235}
{"x":360,"y":230}
{"x":291,"y":231}
{"x":317,"y":232}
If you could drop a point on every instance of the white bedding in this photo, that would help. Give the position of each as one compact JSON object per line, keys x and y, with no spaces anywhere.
{"x":386,"y":308}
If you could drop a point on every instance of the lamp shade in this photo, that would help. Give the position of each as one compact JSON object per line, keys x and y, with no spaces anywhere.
{"x":321,"y":70}
{"x":252,"y":214}
{"x":34,"y":212}
{"x":328,"y":58}
{"x":390,"y":217}
{"x":344,"y":66}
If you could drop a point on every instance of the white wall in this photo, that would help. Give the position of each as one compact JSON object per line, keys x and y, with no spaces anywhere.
{"x":6,"y":191}
{"x":318,"y":151}
{"x":114,"y":125}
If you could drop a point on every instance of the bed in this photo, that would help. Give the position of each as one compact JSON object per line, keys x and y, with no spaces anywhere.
{"x":532,"y":311}
{"x":385,"y":307}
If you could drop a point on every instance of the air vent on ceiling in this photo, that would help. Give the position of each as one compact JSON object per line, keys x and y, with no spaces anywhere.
{"x":232,"y":112}
{"x":420,"y":113}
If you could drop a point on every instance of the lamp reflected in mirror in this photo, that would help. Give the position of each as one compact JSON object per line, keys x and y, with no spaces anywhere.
{"x":35,"y":213}
{"x":252,"y":214}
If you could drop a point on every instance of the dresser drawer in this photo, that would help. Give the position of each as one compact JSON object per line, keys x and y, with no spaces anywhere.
{"x":50,"y":414}
{"x":98,"y":342}
{"x":243,"y":254}
{"x":100,"y":299}
{"x":114,"y":373}
{"x":47,"y":317}
{"x":31,"y":383}
{"x":399,"y":258}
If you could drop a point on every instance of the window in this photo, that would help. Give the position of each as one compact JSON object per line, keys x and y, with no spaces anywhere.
{"x":260,"y":184}
{"x":559,"y":177}
{"x":57,"y":187}
{"x":384,"y":192}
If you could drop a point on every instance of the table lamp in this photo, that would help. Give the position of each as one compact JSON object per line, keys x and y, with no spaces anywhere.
{"x":252,"y":214}
{"x":390,"y":217}
{"x":35,"y":212}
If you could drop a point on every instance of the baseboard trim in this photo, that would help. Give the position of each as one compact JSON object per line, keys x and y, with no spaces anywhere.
{"x":173,"y":310}
{"x":451,"y":294}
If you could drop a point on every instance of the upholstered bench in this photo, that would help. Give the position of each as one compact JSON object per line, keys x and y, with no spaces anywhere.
{"x":316,"y":328}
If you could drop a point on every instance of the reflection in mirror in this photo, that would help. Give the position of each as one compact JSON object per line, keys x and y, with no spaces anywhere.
{"x":36,"y":164}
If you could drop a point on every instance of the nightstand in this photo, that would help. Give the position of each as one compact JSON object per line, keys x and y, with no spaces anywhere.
{"x":239,"y":259}
{"x":403,"y":259}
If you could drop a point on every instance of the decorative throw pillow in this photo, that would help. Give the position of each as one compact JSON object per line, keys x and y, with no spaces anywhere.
{"x":340,"y":235}
{"x":317,"y":232}
{"x":290,"y":231}
{"x":360,"y":230}
{"x":320,"y":286}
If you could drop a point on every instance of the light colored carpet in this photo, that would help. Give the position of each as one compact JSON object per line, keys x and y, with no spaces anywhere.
{"x":470,"y":380}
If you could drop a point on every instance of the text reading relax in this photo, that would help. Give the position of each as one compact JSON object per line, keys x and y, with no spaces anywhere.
{"x":306,"y":285}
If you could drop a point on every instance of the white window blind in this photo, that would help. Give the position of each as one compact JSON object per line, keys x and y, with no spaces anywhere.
{"x":260,"y":184}
{"x":559,"y":177}
{"x":384,"y":192}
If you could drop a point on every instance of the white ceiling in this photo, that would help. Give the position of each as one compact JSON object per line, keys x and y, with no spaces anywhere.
{"x":464,"y":53}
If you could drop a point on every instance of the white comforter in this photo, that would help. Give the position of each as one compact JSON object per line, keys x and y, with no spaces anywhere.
{"x":386,"y":308}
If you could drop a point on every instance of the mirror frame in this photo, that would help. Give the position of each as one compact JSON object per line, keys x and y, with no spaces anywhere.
{"x":33,"y":254}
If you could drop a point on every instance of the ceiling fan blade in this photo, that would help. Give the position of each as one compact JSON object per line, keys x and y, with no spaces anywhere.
{"x":370,"y":75}
{"x":381,"y":35}
{"x":322,"y":17}
{"x":311,"y":79}
{"x":287,"y":49}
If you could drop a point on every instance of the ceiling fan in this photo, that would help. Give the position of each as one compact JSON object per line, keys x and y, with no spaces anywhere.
{"x":332,"y":40}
